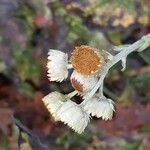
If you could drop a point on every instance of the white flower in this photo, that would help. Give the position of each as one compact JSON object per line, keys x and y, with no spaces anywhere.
{"x":83,"y":83}
{"x":57,"y":65}
{"x":73,"y":115}
{"x":68,"y":111}
{"x":53,"y":101}
{"x":100,"y":107}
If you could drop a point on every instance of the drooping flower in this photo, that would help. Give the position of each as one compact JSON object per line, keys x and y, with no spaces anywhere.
{"x":57,"y":65}
{"x":100,"y":107}
{"x":86,"y":60}
{"x":74,"y":116}
{"x":83,"y":83}
{"x":67,"y":111}
{"x":53,"y":101}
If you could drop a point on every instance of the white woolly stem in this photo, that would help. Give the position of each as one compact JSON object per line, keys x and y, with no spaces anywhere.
{"x":100,"y":81}
{"x":101,"y":90}
{"x":122,"y":54}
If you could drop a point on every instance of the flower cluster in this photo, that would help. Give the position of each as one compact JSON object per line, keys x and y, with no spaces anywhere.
{"x":87,"y":63}
{"x":90,"y":66}
{"x":63,"y":109}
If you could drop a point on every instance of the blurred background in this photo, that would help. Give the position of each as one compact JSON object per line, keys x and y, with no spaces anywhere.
{"x":28,"y":28}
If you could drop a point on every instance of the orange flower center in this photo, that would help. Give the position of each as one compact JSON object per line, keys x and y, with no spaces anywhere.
{"x":86,"y":60}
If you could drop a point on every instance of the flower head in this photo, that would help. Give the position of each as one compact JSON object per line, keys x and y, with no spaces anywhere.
{"x":83,"y":83}
{"x":73,"y":115}
{"x":57,"y":65}
{"x":53,"y":101}
{"x":100,"y":107}
{"x":86,"y":60}
{"x":68,"y":111}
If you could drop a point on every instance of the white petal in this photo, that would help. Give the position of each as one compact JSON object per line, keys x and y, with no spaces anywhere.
{"x":53,"y":101}
{"x":100,"y":108}
{"x":72,"y":114}
{"x":57,"y":65}
{"x":88,"y":82}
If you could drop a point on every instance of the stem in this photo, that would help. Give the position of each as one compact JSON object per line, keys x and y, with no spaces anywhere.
{"x":100,"y":81}
{"x":121,"y":47}
{"x":122,"y":54}
{"x":101,"y":89}
{"x":72,"y":94}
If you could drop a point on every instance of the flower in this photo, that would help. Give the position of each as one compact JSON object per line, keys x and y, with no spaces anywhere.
{"x":67,"y":111}
{"x":52,"y":102}
{"x":73,"y":115}
{"x":86,"y":60}
{"x":100,"y":107}
{"x":57,"y":65}
{"x":83,"y":83}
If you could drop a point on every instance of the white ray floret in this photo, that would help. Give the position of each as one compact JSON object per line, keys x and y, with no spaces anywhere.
{"x":86,"y":82}
{"x":73,"y":115}
{"x":53,"y":101}
{"x":57,"y":65}
{"x":100,"y":107}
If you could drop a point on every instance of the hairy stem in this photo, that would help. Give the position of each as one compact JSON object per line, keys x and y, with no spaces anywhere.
{"x":118,"y":57}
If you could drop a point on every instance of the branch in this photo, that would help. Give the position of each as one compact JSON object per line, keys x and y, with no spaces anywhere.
{"x":124,"y":51}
